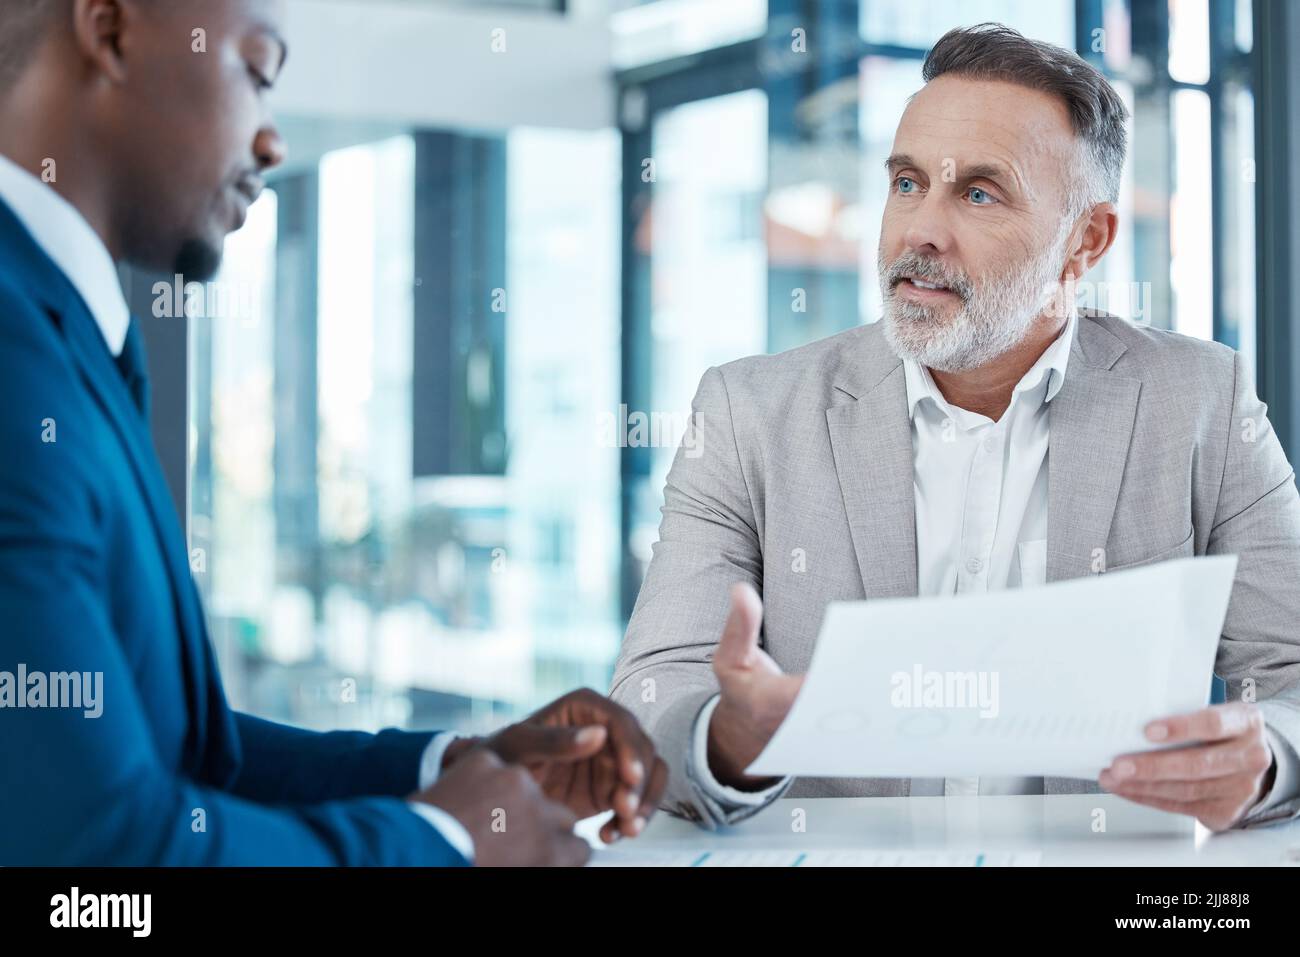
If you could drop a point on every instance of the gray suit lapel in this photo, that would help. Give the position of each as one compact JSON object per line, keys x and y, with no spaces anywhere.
{"x":1092,"y":420}
{"x":871,"y":441}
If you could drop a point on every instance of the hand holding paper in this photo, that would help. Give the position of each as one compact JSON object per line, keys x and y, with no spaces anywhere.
{"x":1055,"y":680}
{"x":1218,"y":779}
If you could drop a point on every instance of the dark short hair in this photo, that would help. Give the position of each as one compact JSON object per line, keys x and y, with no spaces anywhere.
{"x":991,"y":51}
{"x":22,"y":27}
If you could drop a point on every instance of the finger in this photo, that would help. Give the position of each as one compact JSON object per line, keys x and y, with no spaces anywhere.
{"x":1188,"y":764}
{"x":625,"y":807}
{"x":609,"y":832}
{"x":631,"y":824}
{"x":613,"y":796}
{"x":587,"y":786}
{"x":738,"y":646}
{"x":611,"y":784}
{"x":633,"y":756}
{"x":535,"y":742}
{"x":653,"y":793}
{"x":1215,"y":723}
{"x":572,"y":769}
{"x":622,"y":799}
{"x":610,"y":793}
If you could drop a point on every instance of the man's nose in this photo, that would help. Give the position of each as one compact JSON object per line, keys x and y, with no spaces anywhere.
{"x":269,"y":148}
{"x":928,"y":230}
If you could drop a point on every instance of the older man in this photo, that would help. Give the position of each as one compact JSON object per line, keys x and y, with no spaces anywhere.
{"x":911,"y":456}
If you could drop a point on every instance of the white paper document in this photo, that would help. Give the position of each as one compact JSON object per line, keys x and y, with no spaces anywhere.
{"x":1055,"y":680}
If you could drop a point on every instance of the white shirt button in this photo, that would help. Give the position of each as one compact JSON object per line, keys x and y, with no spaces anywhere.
{"x":974,"y":565}
{"x":991,"y":444}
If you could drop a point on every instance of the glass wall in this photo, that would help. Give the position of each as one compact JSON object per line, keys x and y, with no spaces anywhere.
{"x":705,"y":243}
{"x":348,"y":587}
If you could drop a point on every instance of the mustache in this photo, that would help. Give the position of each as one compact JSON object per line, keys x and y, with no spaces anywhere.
{"x":912,"y":266}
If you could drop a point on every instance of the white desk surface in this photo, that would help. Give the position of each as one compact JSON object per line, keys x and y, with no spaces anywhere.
{"x":1057,"y":827}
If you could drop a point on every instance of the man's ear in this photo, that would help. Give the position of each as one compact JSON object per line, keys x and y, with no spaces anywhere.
{"x":1098,"y":234}
{"x":98,"y":30}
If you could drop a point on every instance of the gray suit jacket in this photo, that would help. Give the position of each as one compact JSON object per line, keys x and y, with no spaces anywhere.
{"x":1159,"y":449}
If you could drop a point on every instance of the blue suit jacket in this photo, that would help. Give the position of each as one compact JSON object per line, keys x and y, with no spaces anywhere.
{"x":94,"y":577}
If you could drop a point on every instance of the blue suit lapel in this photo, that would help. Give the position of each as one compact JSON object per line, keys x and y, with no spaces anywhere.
{"x":211,"y":747}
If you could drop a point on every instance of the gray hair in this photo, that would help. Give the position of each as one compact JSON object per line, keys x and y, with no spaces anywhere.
{"x":991,"y":51}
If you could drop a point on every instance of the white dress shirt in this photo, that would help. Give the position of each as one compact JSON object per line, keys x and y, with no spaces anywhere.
{"x":981,"y":524}
{"x":430,"y":767}
{"x":981,"y":503}
{"x":70,"y":242}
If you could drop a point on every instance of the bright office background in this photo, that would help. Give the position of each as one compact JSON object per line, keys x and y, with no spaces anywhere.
{"x":406,"y":507}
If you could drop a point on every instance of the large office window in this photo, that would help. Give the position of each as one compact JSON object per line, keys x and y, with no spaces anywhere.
{"x":354,"y":580}
{"x":708,"y":261}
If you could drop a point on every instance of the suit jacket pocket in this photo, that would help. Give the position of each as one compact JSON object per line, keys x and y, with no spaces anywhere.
{"x":1184,"y":548}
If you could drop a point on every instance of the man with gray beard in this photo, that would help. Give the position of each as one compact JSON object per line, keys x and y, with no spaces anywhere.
{"x":995,"y":317}
{"x":911,"y":457}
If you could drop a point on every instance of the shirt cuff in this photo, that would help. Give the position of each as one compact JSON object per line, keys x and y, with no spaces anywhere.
{"x":727,"y":799}
{"x":431,"y":761}
{"x":452,"y":831}
{"x":1286,"y":780}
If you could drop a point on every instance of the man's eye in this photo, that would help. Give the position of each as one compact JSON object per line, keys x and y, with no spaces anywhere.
{"x":980,"y":197}
{"x":259,"y":81}
{"x":905,"y":185}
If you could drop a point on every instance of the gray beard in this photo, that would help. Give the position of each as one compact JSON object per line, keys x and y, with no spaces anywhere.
{"x":994,"y":319}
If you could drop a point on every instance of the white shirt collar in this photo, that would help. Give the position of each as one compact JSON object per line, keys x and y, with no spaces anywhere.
{"x":65,"y":236}
{"x":1052,"y":363}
